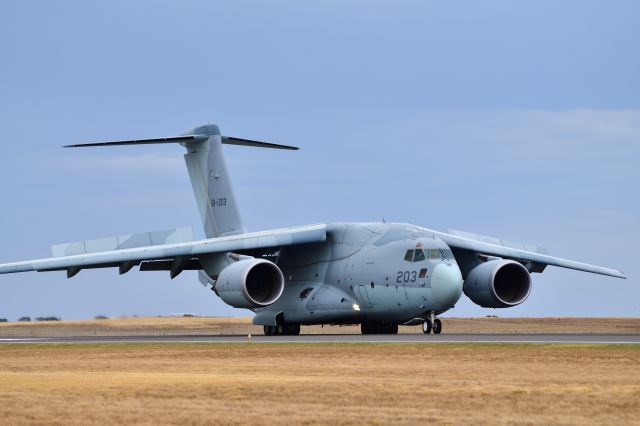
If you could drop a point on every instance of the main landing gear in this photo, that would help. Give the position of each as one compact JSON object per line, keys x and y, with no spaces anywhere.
{"x":428,"y":326}
{"x":282,"y":330}
{"x":378,"y":328}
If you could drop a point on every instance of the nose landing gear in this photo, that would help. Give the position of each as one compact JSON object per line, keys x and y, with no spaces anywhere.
{"x":437,"y":326}
{"x":432,"y":324}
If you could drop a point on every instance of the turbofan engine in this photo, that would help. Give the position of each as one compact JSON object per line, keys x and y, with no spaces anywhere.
{"x":498,"y":283}
{"x":250,"y":283}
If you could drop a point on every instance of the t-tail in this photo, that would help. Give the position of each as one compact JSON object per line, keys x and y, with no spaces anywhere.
{"x":208,"y":173}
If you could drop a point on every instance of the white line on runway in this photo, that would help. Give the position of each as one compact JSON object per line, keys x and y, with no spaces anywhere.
{"x":259,"y":341}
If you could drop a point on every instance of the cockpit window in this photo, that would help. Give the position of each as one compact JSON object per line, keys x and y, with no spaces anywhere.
{"x":446,"y":254}
{"x":419,"y":255}
{"x":435,"y":254}
{"x":409,"y":256}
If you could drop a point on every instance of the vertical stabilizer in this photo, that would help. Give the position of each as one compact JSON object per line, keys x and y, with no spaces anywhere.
{"x":208,"y":172}
{"x":211,"y":184}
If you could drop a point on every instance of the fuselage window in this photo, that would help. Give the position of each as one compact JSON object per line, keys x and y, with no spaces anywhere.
{"x":305,"y":293}
{"x":419,"y":255}
{"x":409,"y":256}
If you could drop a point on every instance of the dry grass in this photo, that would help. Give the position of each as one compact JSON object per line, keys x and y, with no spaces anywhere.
{"x":319,"y":383}
{"x":212,"y":326}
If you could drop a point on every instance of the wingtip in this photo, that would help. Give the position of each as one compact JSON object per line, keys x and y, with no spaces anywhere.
{"x":618,"y":274}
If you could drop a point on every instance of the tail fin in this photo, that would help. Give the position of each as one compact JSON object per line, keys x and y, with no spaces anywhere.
{"x":211,"y":184}
{"x":208,"y":173}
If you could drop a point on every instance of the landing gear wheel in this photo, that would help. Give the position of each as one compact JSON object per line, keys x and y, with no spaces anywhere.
{"x":437,"y":326}
{"x":270,"y":330}
{"x":378,"y":328}
{"x":292,"y":329}
{"x":280,"y":330}
{"x":426,"y":326}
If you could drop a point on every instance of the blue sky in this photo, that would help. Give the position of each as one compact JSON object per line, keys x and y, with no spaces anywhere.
{"x":519,"y":120}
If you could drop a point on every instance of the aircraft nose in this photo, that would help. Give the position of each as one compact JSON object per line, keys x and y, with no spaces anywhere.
{"x":446,"y":284}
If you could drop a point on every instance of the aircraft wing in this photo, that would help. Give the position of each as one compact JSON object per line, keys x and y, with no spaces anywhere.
{"x":536,"y":257}
{"x":174,"y":256}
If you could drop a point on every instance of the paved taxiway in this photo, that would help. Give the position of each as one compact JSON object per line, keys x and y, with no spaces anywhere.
{"x":346,"y":338}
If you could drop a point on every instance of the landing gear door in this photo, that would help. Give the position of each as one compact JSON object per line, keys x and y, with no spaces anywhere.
{"x":364,"y":296}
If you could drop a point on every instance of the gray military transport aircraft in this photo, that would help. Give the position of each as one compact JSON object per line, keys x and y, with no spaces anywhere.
{"x":379,"y":275}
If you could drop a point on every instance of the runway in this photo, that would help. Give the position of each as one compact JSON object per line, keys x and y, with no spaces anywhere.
{"x":588,"y":339}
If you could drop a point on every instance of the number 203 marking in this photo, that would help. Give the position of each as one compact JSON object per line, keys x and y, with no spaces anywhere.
{"x":406,"y":276}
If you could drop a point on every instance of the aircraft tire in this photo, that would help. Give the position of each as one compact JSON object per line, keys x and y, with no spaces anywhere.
{"x":437,"y":326}
{"x":426,"y":326}
{"x":291,"y":329}
{"x":268,"y":330}
{"x":281,"y":330}
{"x":378,"y":328}
{"x":369,"y":328}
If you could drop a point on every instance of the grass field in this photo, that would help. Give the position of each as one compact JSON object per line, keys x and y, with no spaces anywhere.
{"x":263,"y":384}
{"x":212,"y":325}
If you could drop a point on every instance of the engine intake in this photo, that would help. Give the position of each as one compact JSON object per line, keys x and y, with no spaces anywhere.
{"x":250,"y":283}
{"x":498,"y":283}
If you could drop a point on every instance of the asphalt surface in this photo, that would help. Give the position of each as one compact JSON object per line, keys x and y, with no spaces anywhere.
{"x":346,"y":338}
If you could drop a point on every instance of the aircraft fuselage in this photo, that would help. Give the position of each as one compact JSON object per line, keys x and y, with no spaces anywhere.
{"x":366,"y":273}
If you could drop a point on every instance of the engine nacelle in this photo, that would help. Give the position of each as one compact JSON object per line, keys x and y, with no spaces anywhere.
{"x":250,"y":283}
{"x":498,"y":283}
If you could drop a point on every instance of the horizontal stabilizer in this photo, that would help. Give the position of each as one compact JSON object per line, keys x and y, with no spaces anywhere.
{"x":172,"y":139}
{"x":187,"y":138}
{"x":170,"y":236}
{"x":246,"y":142}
